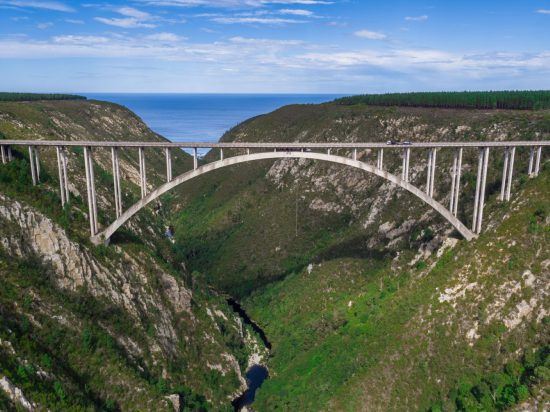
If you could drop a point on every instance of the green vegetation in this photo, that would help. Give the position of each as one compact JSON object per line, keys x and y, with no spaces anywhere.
{"x":523,"y":100}
{"x":350,"y":327}
{"x":92,"y":334}
{"x":330,"y":262}
{"x":501,"y":390}
{"x":29,"y":97}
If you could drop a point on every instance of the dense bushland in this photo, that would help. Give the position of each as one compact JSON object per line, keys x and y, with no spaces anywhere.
{"x":27,"y":97}
{"x":524,"y":100}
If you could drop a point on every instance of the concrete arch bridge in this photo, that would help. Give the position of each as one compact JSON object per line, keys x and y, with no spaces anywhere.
{"x":249,"y":152}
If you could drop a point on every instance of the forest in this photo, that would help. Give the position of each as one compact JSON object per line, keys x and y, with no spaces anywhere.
{"x":29,"y":97}
{"x":522,"y":100}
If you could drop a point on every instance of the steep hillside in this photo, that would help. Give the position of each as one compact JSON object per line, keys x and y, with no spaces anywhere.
{"x":395,"y":335}
{"x":365,"y":305}
{"x":124,"y":327}
{"x":370,"y":300}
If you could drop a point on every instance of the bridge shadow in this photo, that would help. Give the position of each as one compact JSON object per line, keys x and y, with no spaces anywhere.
{"x":125,"y":236}
{"x":356,"y":248}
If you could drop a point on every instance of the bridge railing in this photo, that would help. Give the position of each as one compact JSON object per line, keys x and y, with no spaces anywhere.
{"x":351,"y":149}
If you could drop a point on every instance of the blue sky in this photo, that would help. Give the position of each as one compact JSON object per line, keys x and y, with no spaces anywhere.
{"x":273,"y":46}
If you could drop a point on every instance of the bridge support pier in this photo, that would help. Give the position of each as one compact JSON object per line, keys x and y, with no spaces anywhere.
{"x":35,"y":164}
{"x":537,"y":163}
{"x":10,"y":156}
{"x":221,"y":154}
{"x":380,"y":160}
{"x":90,"y":185}
{"x":430,"y":179}
{"x":142,"y":172}
{"x":507,"y":173}
{"x":195,"y":160}
{"x":4,"y":154}
{"x":480,"y":189}
{"x":116,"y":181}
{"x":531,"y":162}
{"x":354,"y":154}
{"x":62,"y":169}
{"x":406,"y":161}
{"x":168,"y":155}
{"x":455,"y":181}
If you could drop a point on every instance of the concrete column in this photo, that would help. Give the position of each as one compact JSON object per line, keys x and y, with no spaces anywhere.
{"x":61,"y":176}
{"x":380,"y":164}
{"x":432,"y":174}
{"x":33,"y":165}
{"x":406,"y":161}
{"x":453,"y":181}
{"x":328,"y":151}
{"x":504,"y":174}
{"x":90,"y":185}
{"x":142,"y":172}
{"x":221,"y":153}
{"x":404,"y":166}
{"x":478,"y":189}
{"x":116,"y":181}
{"x":354,"y":154}
{"x":482,"y":191}
{"x":248,"y":151}
{"x":10,"y":157}
{"x":4,"y":154}
{"x":537,"y":163}
{"x":37,"y":162}
{"x":168,"y":155}
{"x":429,"y":174}
{"x":195,"y":160}
{"x":531,"y":161}
{"x":510,"y":173}
{"x":456,"y":183}
{"x":64,"y":164}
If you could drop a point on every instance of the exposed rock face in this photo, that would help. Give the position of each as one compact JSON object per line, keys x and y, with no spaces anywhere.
{"x":75,"y":267}
{"x":15,"y":394}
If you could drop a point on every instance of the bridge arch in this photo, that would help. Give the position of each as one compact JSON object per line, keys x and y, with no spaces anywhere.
{"x":105,"y":235}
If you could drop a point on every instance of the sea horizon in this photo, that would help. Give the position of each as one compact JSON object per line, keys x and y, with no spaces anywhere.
{"x":186,"y":117}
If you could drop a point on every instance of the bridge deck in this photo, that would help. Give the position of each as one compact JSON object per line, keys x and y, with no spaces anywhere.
{"x":276,"y":145}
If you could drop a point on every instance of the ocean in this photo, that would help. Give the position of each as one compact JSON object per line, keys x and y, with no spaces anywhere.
{"x":202,"y":117}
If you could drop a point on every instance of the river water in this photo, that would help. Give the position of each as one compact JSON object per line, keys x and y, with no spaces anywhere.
{"x":256,"y":374}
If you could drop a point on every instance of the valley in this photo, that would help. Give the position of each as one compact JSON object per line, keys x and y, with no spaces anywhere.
{"x":348,"y":291}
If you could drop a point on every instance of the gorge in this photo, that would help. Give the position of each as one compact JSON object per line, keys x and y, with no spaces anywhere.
{"x":331,"y":278}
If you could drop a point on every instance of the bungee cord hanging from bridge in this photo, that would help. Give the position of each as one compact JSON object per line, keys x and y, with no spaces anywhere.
{"x":272,"y":151}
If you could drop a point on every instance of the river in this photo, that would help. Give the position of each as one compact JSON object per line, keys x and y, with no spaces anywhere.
{"x":256,"y":374}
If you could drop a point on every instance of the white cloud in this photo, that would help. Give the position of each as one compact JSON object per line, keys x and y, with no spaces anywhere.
{"x":135,"y":13}
{"x":271,"y":42}
{"x":43,"y":26}
{"x":74,"y":21}
{"x":81,"y":40}
{"x":417,"y":18}
{"x":45,"y":5}
{"x":133,"y":18}
{"x":255,"y":20}
{"x":296,"y":12}
{"x":543,"y":11}
{"x":372,"y":35}
{"x":231,"y":3}
{"x":165,"y":37}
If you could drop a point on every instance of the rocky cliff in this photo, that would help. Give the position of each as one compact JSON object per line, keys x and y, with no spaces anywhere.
{"x":124,"y":327}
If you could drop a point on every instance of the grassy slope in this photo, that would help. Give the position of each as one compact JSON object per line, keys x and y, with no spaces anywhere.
{"x":370,"y":338}
{"x":239,"y":229}
{"x":88,"y":366}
